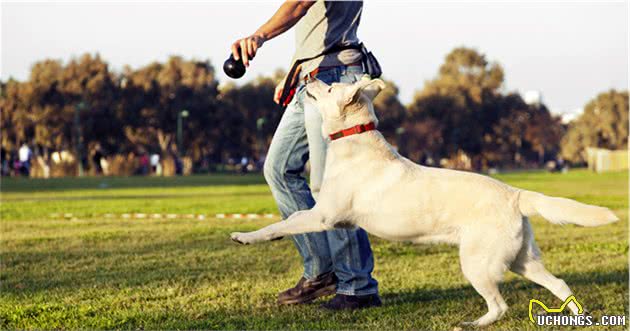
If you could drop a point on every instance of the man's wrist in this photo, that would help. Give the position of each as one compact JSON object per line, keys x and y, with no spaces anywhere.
{"x":261,"y":34}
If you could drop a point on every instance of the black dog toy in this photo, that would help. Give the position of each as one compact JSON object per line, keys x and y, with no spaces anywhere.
{"x":233,"y":68}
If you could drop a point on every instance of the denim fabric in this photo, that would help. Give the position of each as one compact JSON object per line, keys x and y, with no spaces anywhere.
{"x":298,"y":136}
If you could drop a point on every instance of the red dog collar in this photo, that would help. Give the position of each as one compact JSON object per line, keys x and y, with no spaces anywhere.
{"x":353,"y":130}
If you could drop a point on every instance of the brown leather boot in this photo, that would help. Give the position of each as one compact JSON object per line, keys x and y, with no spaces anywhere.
{"x":307,"y":290}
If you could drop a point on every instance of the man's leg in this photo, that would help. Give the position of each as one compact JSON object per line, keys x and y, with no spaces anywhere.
{"x":350,"y":249}
{"x":283,"y":170}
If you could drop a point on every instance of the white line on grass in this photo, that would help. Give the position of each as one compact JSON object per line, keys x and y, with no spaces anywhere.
{"x":249,"y":216}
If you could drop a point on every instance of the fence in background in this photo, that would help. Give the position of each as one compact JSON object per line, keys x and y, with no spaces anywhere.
{"x":602,"y":160}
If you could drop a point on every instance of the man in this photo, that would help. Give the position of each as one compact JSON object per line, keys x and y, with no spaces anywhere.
{"x":338,"y":261}
{"x":24,"y":154}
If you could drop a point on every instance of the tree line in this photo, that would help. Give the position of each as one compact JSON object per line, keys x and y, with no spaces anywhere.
{"x":461,"y":118}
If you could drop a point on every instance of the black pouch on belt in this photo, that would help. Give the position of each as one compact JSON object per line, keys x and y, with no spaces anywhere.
{"x":368,"y":60}
{"x":370,"y":64}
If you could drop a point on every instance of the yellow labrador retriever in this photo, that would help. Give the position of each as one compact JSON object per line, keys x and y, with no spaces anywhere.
{"x":369,"y":185}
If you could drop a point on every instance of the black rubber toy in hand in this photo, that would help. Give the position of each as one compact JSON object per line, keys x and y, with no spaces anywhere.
{"x":233,"y":68}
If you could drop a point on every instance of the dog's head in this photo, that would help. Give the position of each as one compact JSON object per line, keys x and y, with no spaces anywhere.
{"x":345,"y":105}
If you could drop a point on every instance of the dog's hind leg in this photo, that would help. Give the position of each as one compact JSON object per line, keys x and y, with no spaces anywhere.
{"x":528,"y":263}
{"x":488,"y":288}
{"x":484,"y":264}
{"x":303,"y":221}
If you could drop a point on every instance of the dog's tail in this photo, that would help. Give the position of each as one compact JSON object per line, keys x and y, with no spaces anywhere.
{"x":563,"y":211}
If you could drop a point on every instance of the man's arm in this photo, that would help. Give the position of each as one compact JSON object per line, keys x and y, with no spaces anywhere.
{"x":289,"y":13}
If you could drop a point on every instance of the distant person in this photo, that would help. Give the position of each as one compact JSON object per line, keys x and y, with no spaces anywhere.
{"x":338,"y":261}
{"x":205,"y":163}
{"x":156,"y":168}
{"x":15,"y":166}
{"x":179,"y":165}
{"x":105,"y":162}
{"x":144,"y":164}
{"x":6,"y":163}
{"x":244,"y":162}
{"x":96,"y":160}
{"x":25,"y":154}
{"x":260,"y":162}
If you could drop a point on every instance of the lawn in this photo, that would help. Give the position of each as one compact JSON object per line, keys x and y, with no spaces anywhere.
{"x":96,"y":272}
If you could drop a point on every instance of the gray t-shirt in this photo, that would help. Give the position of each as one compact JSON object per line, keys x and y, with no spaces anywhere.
{"x":327,"y":24}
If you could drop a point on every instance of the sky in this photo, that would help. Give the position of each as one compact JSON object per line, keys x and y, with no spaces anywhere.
{"x":569,"y":51}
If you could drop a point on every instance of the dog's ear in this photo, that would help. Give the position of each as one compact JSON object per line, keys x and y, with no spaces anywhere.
{"x":370,"y":87}
{"x":316,"y":88}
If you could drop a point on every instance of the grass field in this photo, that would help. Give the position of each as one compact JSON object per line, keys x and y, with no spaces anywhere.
{"x":113,"y":273}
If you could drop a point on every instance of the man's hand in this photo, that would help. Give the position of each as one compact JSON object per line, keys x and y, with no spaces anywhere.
{"x":289,"y":13}
{"x":247,"y":47}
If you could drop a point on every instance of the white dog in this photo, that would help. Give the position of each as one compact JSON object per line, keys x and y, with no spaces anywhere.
{"x":369,"y":185}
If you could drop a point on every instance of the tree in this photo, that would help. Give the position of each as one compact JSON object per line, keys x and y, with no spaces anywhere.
{"x":463,"y":114}
{"x":603,"y":124}
{"x":153,"y":97}
{"x":89,"y":90}
{"x":389,"y":110}
{"x":16,"y":125}
{"x":250,"y":116}
{"x":455,"y":100}
{"x":465,"y":74}
{"x":460,"y":114}
{"x":43,"y":103}
{"x":520,"y":132}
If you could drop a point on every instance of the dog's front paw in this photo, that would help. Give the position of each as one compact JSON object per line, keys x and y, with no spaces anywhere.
{"x":242,"y":238}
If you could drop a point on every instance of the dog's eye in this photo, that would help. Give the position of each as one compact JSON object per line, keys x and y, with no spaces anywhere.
{"x":329,"y":89}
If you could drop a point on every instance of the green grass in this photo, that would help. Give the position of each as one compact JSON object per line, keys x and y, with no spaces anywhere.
{"x":101,"y":273}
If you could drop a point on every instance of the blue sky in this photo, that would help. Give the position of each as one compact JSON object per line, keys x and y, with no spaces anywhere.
{"x":570,"y":51}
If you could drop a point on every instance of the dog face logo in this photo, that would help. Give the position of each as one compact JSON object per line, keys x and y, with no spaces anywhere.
{"x":553,"y":310}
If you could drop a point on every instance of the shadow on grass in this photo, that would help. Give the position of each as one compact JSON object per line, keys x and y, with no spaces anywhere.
{"x":421,"y":307}
{"x":507,"y":288}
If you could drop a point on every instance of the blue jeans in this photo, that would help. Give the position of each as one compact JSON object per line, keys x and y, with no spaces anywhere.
{"x":299,"y":136}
